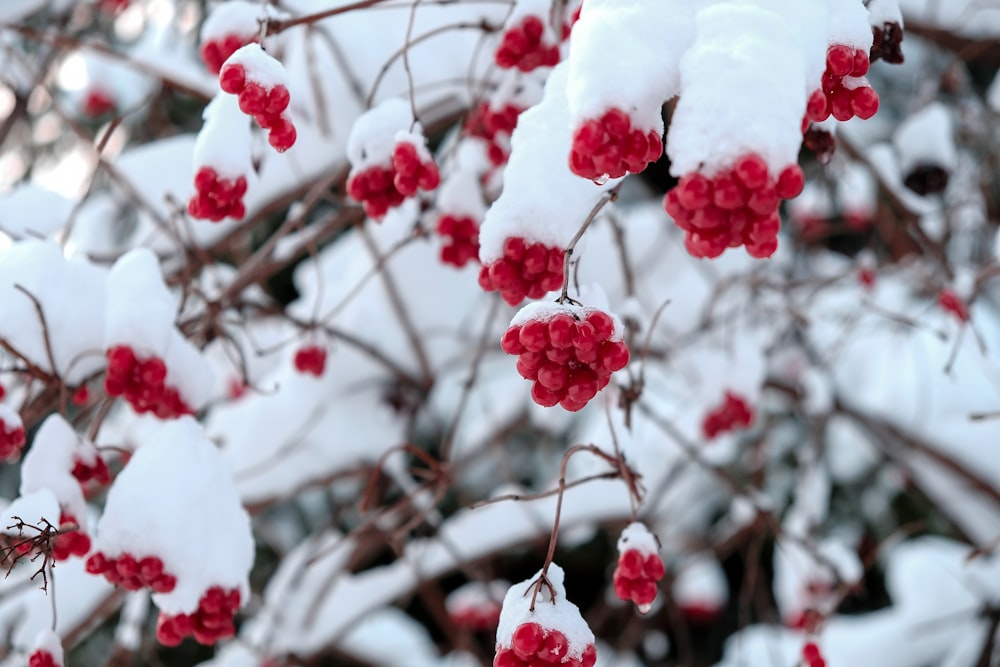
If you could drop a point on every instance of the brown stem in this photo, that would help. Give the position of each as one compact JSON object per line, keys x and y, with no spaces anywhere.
{"x":610,"y":196}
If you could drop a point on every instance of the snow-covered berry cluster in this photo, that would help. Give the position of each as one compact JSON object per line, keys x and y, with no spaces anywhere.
{"x":542,"y":630}
{"x":42,"y":658}
{"x":375,"y":189}
{"x":217,"y":198}
{"x":494,"y":125}
{"x":461,"y":234}
{"x":71,"y":543}
{"x":476,"y":605}
{"x":413,"y":166}
{"x":812,"y":656}
{"x":142,"y":381}
{"x":610,"y":146}
{"x":568,"y":352}
{"x":952,"y":303}
{"x":12,"y":437}
{"x":527,"y":45}
{"x":844,"y":93}
{"x":228,"y":27}
{"x":733,"y":207}
{"x":734,"y":413}
{"x":887,"y":40}
{"x":260,"y":84}
{"x":215,"y":52}
{"x":210,"y":622}
{"x":526,"y":270}
{"x":640,"y":567}
{"x":132,"y":572}
{"x":310,"y":359}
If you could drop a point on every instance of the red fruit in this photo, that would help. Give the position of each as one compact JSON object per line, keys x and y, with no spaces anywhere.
{"x":462,"y":240}
{"x":952,"y":303}
{"x":839,"y":60}
{"x":524,"y":271}
{"x":233,"y":78}
{"x":790,"y":182}
{"x":98,"y":103}
{"x":527,"y":639}
{"x":311,"y":359}
{"x":631,"y":564}
{"x":554,"y":647}
{"x":864,"y":102}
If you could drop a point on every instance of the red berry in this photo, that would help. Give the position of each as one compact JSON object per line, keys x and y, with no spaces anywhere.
{"x":527,"y":639}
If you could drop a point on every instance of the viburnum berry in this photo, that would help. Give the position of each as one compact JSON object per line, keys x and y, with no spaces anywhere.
{"x":737,"y":206}
{"x":250,"y":74}
{"x":819,"y":141}
{"x":210,"y":622}
{"x":844,"y":92}
{"x":952,"y":303}
{"x":311,"y":359}
{"x":640,"y":567}
{"x":886,"y":43}
{"x":375,"y":189}
{"x":526,"y":270}
{"x":568,"y":352}
{"x":734,"y":413}
{"x":461,"y":234}
{"x":413,"y":169}
{"x":12,"y":437}
{"x":81,"y":396}
{"x":524,"y":45}
{"x":132,"y":572}
{"x":495,"y":127}
{"x":610,"y":146}
{"x":476,"y":605}
{"x":142,"y":381}
{"x":42,"y":658}
{"x":72,"y":543}
{"x":217,"y":198}
{"x":97,"y":471}
{"x":812,"y":656}
{"x":215,"y":52}
{"x":97,"y":103}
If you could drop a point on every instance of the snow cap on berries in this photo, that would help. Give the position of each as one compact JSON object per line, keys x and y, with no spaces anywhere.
{"x":224,"y":141}
{"x":235,"y":17}
{"x":259,"y":66}
{"x":700,"y":586}
{"x":30,"y":507}
{"x":636,"y":536}
{"x":848,"y":25}
{"x":555,"y":613}
{"x":926,"y":138}
{"x":461,"y":195}
{"x":48,"y":641}
{"x":373,"y":135}
{"x":200,"y":532}
{"x":543,"y":311}
{"x":49,"y":465}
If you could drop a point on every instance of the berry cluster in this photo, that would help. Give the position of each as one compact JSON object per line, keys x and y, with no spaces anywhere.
{"x":72,"y":543}
{"x":461,"y":235}
{"x":97,"y":471}
{"x":132,"y":573}
{"x":212,"y":621}
{"x":819,"y":141}
{"x":569,"y":358}
{"x":42,"y":658}
{"x":81,"y":396}
{"x":142,"y":383}
{"x":525,"y":270}
{"x":495,"y":127}
{"x":413,"y":171}
{"x":535,"y":646}
{"x":886,"y":42}
{"x":952,"y":303}
{"x":475,"y":618}
{"x":267,"y":105}
{"x":523,"y":46}
{"x":375,"y":189}
{"x":738,"y":206}
{"x":217,"y":198}
{"x":610,"y":147}
{"x":734,"y":413}
{"x":636,"y":577}
{"x":97,"y":103}
{"x":310,"y":359}
{"x":811,"y":655}
{"x":843,"y":94}
{"x":215,"y":52}
{"x":11,"y":440}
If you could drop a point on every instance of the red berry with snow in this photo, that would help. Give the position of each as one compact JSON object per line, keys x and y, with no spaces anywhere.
{"x":217,"y":198}
{"x":131,"y":572}
{"x":843,"y":92}
{"x":812,"y":656}
{"x":476,"y":605}
{"x":42,"y":658}
{"x":737,"y":206}
{"x":311,"y":359}
{"x":734,"y":413}
{"x":142,"y":382}
{"x":611,"y":146}
{"x":951,"y":303}
{"x":568,"y":353}
{"x":526,"y":47}
{"x":461,"y":234}
{"x":413,"y":169}
{"x":266,"y":102}
{"x":210,"y":622}
{"x":525,"y":271}
{"x":375,"y":189}
{"x":11,"y":438}
{"x":215,"y":52}
{"x":97,"y":471}
{"x":75,"y":542}
{"x":640,"y":567}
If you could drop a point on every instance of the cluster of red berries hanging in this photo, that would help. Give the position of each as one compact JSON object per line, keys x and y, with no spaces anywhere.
{"x":71,"y":543}
{"x":12,"y":437}
{"x":47,"y":651}
{"x":210,"y":622}
{"x":228,"y":27}
{"x":735,"y":413}
{"x":131,"y":572}
{"x":42,"y":658}
{"x":733,"y":207}
{"x":261,"y":86}
{"x":142,"y":382}
{"x":812,"y":656}
{"x":952,"y":303}
{"x":844,"y":92}
{"x":527,"y":43}
{"x":525,"y":271}
{"x":494,"y":126}
{"x":310,"y":359}
{"x":568,"y":352}
{"x":640,"y":567}
{"x":382,"y":187}
{"x":610,"y":147}
{"x":461,"y":234}
{"x":217,"y":198}
{"x":476,"y":605}
{"x":543,"y":629}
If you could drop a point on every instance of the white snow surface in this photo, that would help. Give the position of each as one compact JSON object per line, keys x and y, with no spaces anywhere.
{"x":553,"y":611}
{"x":967,"y":18}
{"x":31,"y":210}
{"x":461,"y":194}
{"x":260,"y":66}
{"x":763,"y":107}
{"x":881,"y":12}
{"x":700,"y":580}
{"x":47,"y":640}
{"x":546,"y":310}
{"x":926,"y":138}
{"x":31,"y":507}
{"x":49,"y":465}
{"x":849,"y":24}
{"x":637,"y":537}
{"x":224,"y":141}
{"x":235,"y":17}
{"x":373,"y":134}
{"x":538,"y":168}
{"x":176,"y":499}
{"x":11,"y":418}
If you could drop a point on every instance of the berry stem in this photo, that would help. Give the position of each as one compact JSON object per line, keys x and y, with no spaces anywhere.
{"x":610,"y":196}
